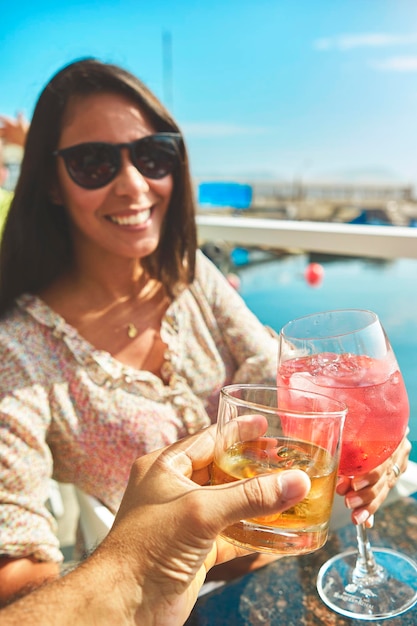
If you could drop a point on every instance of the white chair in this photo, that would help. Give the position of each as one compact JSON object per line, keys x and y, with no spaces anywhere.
{"x":95,"y":519}
{"x":55,"y":502}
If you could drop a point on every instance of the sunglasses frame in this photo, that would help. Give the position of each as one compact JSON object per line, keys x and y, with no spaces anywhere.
{"x":115,"y":149}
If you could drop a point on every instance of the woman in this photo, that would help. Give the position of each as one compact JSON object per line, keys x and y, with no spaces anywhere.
{"x":116,"y":335}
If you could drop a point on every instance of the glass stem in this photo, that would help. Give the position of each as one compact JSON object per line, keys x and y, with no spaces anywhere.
{"x":366,"y":571}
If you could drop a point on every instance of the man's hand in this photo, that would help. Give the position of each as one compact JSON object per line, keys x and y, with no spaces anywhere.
{"x":150,"y":567}
{"x":168,"y":523}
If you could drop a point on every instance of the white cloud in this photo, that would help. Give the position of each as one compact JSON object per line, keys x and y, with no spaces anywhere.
{"x":396,"y":64}
{"x":218,"y":129}
{"x":362,"y":40}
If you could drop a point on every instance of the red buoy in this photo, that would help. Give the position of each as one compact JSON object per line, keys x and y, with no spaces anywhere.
{"x":314,"y":274}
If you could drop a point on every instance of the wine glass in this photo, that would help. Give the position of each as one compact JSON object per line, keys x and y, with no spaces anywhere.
{"x":347,"y":354}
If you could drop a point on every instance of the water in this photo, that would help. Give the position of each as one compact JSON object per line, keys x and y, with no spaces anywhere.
{"x":277,"y":292}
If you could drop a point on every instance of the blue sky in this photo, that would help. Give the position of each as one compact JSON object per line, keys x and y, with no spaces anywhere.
{"x":323,"y":89}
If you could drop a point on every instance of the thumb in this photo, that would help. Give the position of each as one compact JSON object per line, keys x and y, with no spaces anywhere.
{"x":261,"y":495}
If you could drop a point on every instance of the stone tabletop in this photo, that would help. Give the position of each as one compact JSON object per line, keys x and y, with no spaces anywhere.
{"x":284,"y":593}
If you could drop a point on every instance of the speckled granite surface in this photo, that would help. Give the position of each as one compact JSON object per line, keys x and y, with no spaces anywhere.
{"x":284,"y":592}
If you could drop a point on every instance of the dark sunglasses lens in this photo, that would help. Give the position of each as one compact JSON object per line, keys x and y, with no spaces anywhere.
{"x":155,"y":157}
{"x":92,"y":165}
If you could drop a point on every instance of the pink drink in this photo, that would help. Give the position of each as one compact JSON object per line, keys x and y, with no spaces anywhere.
{"x":375,"y":394}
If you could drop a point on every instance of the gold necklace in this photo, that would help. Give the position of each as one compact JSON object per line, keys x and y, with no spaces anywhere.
{"x":132,"y":331}
{"x":145,"y":293}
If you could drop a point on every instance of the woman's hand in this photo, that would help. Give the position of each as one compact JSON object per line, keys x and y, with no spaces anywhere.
{"x":364,"y":494}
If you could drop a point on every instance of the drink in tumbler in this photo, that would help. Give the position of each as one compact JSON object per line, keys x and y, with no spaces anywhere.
{"x":303,"y":527}
{"x":257,"y":433}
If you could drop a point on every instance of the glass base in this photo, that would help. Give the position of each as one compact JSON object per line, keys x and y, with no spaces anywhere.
{"x":276,"y":539}
{"x":385,"y":596}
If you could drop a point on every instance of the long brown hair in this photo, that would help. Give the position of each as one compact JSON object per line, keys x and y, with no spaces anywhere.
{"x":36,"y":246}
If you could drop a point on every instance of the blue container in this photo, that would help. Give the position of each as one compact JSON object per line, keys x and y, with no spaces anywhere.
{"x":223,"y":194}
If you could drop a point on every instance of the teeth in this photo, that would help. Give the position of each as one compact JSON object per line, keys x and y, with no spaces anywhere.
{"x":132,"y":220}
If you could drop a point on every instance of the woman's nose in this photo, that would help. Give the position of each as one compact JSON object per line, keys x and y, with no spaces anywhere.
{"x":129,"y":179}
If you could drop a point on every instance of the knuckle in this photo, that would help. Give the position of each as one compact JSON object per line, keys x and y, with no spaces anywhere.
{"x":256,"y":495}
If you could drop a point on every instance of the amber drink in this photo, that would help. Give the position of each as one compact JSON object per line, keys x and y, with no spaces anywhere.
{"x":273,"y":415}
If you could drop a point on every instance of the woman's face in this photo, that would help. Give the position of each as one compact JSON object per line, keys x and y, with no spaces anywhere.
{"x":125,"y":217}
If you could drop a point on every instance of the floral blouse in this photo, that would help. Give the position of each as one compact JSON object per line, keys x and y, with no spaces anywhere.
{"x":76,"y":414}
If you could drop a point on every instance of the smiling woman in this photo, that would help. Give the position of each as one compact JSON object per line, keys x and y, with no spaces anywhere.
{"x":116,"y":333}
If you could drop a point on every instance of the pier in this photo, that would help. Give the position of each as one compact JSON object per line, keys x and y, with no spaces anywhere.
{"x":326,"y":201}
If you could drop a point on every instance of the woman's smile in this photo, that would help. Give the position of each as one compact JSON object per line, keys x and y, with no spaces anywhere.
{"x":139,"y":218}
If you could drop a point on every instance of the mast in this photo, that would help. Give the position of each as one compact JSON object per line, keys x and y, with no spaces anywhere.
{"x":167,"y":69}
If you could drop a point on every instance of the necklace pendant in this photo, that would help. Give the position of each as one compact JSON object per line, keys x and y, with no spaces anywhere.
{"x":132,"y":331}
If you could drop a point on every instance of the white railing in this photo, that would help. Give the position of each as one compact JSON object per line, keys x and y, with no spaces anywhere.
{"x":388,"y":242}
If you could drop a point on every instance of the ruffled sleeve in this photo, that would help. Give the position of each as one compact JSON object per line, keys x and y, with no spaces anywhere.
{"x":254,"y":346}
{"x":27,"y":527}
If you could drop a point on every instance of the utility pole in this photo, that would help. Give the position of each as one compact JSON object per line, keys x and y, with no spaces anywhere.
{"x":167,"y":69}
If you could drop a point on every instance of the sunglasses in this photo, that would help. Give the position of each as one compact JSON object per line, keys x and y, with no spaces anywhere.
{"x":95,"y":164}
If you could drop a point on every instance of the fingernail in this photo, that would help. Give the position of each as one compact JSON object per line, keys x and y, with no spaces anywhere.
{"x":361,"y":484}
{"x":353,"y":503}
{"x":291,"y":485}
{"x":370,"y":521}
{"x":361,"y":517}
